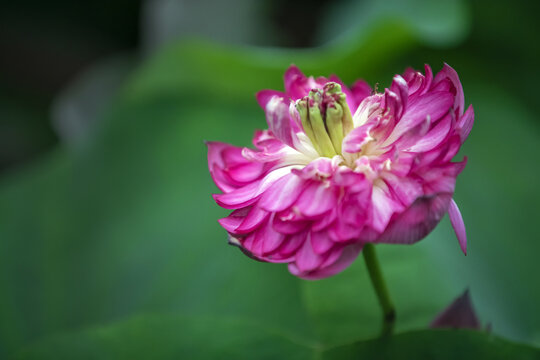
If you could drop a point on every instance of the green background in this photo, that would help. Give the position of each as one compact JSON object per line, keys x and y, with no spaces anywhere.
{"x":112,"y":249}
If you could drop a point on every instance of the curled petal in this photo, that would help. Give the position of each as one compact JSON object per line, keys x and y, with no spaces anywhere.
{"x":401,"y":89}
{"x":292,"y":244}
{"x":459,"y":226}
{"x":250,"y":193}
{"x":264,"y":97}
{"x":434,"y":137}
{"x":357,"y":138}
{"x":229,"y":169}
{"x":297,"y":85}
{"x":465,"y":124}
{"x":252,"y":220}
{"x":231,"y":222}
{"x":278,"y":119}
{"x":449,"y":73}
{"x":432,"y":105}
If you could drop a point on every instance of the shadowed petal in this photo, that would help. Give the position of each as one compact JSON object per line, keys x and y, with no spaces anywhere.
{"x":459,"y":314}
{"x":417,"y":221}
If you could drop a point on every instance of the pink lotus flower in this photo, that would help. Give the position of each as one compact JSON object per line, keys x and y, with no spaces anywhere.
{"x":340,"y":167}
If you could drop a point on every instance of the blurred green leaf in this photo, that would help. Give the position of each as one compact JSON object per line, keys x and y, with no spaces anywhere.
{"x":180,"y":337}
{"x":437,"y":23}
{"x":173,"y":337}
{"x":435,"y":344}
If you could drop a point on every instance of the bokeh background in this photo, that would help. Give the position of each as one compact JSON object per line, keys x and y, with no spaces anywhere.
{"x":109,"y":244}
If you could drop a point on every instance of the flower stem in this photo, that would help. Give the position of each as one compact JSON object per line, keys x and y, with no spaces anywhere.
{"x":377,"y":280}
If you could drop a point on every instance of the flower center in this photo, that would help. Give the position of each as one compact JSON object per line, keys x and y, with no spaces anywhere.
{"x":326,"y":118}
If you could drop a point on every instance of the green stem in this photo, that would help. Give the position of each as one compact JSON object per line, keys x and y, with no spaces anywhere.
{"x":376,"y":276}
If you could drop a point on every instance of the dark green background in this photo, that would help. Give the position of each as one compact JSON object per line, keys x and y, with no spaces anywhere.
{"x":111,"y":249}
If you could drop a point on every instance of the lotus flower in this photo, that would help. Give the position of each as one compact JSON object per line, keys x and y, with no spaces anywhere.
{"x":341,"y":167}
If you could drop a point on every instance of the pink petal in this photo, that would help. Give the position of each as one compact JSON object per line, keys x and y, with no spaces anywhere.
{"x":252,"y":221}
{"x":465,"y":124}
{"x":316,"y":199}
{"x":282,"y":193}
{"x":360,"y":90}
{"x":434,"y":137}
{"x":220,"y":157}
{"x":357,"y":138}
{"x":401,"y":89}
{"x":348,"y":255}
{"x":406,"y":189}
{"x":246,"y":172}
{"x":292,"y":244}
{"x":418,"y":84}
{"x":451,"y":74}
{"x":454,"y":144}
{"x":459,"y":226}
{"x":289,"y":222}
{"x":278,"y":119}
{"x":320,"y":242}
{"x":271,"y":239}
{"x":317,"y":169}
{"x":417,"y":221}
{"x":341,"y":231}
{"x":433,"y":104}
{"x":238,"y":198}
{"x":383,"y":208}
{"x":231,"y":222}
{"x":306,"y":259}
{"x":250,"y":193}
{"x":297,"y":85}
{"x":264,"y":97}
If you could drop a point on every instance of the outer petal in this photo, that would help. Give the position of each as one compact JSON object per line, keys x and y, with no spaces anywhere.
{"x":307,"y":259}
{"x":250,"y":193}
{"x":347,"y":256}
{"x":459,"y":226}
{"x":451,"y":74}
{"x":229,"y":169}
{"x":297,"y":85}
{"x":465,"y":124}
{"x":417,"y":221}
{"x":360,"y":90}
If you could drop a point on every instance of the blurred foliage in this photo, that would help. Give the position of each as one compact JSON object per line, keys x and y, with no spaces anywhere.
{"x":174,"y":337}
{"x":113,"y":249}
